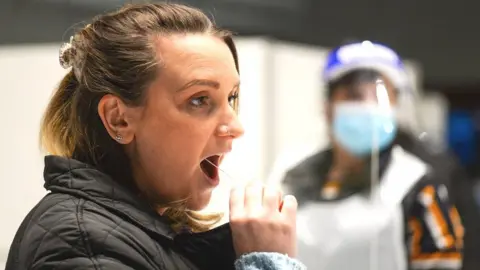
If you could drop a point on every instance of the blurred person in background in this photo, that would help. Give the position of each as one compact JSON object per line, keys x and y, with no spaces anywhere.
{"x":136,"y":130}
{"x":377,"y":198}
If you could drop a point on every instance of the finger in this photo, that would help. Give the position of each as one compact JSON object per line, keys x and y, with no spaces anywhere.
{"x":253,"y":198}
{"x":289,"y":208}
{"x":237,"y":198}
{"x":271,"y":199}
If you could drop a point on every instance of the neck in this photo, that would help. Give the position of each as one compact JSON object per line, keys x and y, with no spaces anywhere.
{"x":344,"y":161}
{"x":348,"y":170}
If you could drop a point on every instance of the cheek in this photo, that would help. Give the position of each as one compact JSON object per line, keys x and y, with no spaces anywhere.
{"x":173,"y":141}
{"x":168,"y":157}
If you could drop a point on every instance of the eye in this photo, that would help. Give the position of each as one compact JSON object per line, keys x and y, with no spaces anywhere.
{"x":232,"y":100}
{"x":199,"y":102}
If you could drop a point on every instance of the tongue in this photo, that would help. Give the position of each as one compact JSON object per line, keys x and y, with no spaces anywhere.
{"x":209,"y":169}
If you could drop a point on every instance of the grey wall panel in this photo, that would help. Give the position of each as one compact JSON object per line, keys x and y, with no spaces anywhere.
{"x":441,"y":35}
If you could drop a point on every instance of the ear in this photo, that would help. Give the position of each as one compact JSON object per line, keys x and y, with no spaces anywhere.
{"x":113,"y":112}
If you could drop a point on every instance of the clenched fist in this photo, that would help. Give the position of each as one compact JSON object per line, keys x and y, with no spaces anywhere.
{"x":261,"y":221}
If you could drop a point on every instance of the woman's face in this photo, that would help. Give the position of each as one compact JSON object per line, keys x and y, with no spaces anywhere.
{"x":188,"y":116}
{"x":364,"y":92}
{"x":354,"y":114}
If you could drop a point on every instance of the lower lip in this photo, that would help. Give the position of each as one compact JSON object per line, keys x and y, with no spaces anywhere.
{"x":212,"y":182}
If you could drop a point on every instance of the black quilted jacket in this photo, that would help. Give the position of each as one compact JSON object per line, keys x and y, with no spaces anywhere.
{"x":88,"y":221}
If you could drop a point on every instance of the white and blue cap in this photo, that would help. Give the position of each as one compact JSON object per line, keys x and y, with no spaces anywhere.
{"x":369,"y":55}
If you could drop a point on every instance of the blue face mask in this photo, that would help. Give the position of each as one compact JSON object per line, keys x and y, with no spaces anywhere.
{"x":360,"y":127}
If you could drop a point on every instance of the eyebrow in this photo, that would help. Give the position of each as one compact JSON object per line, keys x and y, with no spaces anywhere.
{"x":198,"y":82}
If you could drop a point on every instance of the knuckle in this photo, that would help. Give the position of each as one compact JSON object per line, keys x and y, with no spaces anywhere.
{"x":272,"y":225}
{"x":237,"y":220}
{"x":245,"y":221}
{"x":240,"y":219}
{"x":285,"y":228}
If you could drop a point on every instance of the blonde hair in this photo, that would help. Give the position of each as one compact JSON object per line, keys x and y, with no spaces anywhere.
{"x":114,"y":55}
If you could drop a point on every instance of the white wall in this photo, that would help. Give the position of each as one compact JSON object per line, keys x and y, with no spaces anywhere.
{"x":298,"y":94}
{"x":434,"y":109}
{"x":247,"y":162}
{"x":281,"y":108}
{"x":27,"y":77}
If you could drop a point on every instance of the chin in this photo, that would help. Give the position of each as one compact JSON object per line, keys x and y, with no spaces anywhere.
{"x":200,"y":201}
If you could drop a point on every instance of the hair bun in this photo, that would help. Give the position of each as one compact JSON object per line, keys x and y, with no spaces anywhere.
{"x":67,"y":54}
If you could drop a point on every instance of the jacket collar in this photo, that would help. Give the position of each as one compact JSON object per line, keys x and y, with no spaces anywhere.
{"x":69,"y":176}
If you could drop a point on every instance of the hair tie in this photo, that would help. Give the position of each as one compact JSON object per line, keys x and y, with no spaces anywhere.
{"x":67,"y":53}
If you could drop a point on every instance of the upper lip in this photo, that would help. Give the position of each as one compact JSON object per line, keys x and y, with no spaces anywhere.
{"x":217,"y":154}
{"x":220,"y":154}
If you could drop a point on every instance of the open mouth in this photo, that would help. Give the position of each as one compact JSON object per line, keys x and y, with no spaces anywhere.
{"x":210,"y":167}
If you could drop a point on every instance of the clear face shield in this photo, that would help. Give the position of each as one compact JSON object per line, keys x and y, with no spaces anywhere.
{"x":357,"y":220}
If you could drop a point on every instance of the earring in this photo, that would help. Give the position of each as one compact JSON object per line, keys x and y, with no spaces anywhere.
{"x":118,"y":137}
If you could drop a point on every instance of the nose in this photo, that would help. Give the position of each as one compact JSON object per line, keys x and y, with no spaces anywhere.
{"x":231,"y":127}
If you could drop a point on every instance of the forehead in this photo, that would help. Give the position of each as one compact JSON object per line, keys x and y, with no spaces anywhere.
{"x":196,"y":56}
{"x":365,"y":90}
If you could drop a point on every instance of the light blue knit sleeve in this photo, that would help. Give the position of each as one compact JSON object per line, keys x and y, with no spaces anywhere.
{"x":267,"y":261}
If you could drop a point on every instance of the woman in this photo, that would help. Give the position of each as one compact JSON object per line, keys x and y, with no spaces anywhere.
{"x":136,"y":130}
{"x":378,"y":196}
